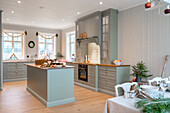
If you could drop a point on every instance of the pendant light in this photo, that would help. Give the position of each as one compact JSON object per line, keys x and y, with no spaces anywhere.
{"x":167,"y":11}
{"x":148,"y":4}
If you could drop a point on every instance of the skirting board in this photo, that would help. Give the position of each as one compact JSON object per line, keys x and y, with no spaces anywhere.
{"x":14,"y":80}
{"x":86,"y":86}
{"x":50,"y":104}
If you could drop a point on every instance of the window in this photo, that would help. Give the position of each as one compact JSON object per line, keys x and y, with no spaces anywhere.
{"x":46,"y":46}
{"x":70,"y":46}
{"x":12,"y":45}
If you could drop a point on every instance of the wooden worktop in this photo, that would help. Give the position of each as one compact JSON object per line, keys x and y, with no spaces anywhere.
{"x":18,"y":61}
{"x":110,"y":65}
{"x":47,"y":68}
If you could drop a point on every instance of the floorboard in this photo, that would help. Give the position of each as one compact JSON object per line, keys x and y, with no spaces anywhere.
{"x":15,"y":99}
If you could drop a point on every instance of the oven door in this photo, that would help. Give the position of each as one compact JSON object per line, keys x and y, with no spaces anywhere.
{"x":83,"y":74}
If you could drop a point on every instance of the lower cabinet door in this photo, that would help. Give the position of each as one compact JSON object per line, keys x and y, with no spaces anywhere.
{"x":107,"y":84}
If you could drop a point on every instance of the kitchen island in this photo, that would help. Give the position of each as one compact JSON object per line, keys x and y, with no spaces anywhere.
{"x":52,"y":86}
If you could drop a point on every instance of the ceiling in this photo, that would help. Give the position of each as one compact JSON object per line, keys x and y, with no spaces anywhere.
{"x":56,"y":14}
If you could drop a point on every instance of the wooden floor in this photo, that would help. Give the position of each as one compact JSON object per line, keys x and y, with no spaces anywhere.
{"x":15,"y":99}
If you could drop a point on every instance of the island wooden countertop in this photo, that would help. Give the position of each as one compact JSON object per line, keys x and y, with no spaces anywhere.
{"x":48,"y":68}
{"x":109,"y":65}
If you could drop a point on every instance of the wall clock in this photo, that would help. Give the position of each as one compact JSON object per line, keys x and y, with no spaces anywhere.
{"x":31,"y":44}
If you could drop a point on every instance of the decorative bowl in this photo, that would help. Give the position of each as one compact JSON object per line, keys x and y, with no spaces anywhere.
{"x":117,"y":63}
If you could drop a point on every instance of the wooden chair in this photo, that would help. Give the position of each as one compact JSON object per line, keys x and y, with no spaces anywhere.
{"x":126,"y":87}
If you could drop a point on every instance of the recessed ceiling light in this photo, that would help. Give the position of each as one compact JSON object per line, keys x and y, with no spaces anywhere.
{"x":7,"y":19}
{"x":19,"y":2}
{"x":12,"y":11}
{"x":101,"y":3}
{"x":78,"y":13}
{"x":63,"y":20}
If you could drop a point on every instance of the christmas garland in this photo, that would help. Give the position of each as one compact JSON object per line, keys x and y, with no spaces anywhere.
{"x":25,"y":33}
{"x":56,"y":35}
{"x":154,"y":106}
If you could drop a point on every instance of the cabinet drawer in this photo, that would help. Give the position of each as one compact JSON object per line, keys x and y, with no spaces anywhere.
{"x":4,"y":76}
{"x":14,"y":69}
{"x":91,"y":81}
{"x":106,"y":85}
{"x":15,"y":75}
{"x":111,"y":74}
{"x":107,"y":68}
{"x":111,"y":79}
{"x":10,"y":64}
{"x":111,"y":69}
{"x":103,"y":68}
{"x":102,"y":73}
{"x":91,"y":75}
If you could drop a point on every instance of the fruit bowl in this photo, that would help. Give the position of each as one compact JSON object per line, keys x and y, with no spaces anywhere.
{"x":117,"y":62}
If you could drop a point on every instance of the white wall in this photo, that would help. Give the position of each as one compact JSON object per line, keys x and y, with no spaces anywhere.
{"x":31,"y":35}
{"x":64,"y":37}
{"x":144,"y":36}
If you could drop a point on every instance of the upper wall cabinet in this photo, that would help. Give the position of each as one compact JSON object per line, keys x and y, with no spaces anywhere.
{"x":109,"y":40}
{"x":104,"y":27}
{"x":90,"y":24}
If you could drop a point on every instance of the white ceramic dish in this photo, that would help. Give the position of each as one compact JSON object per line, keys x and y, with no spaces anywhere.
{"x":58,"y":66}
{"x":149,"y":88}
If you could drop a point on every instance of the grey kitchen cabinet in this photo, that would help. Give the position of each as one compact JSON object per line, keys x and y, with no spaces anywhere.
{"x":14,"y":71}
{"x":75,"y":70}
{"x":108,"y":77}
{"x":91,"y":83}
{"x":109,"y":45}
{"x":91,"y":75}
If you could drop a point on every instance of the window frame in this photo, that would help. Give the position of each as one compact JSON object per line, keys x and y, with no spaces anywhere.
{"x":68,"y":45}
{"x":22,"y":42}
{"x":71,"y":44}
{"x":53,"y":44}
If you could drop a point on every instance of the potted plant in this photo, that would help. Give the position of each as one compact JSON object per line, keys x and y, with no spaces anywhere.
{"x":140,"y":71}
{"x":59,"y":56}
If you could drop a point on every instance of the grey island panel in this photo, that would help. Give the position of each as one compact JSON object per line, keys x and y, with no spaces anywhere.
{"x":37,"y":81}
{"x":51,"y":86}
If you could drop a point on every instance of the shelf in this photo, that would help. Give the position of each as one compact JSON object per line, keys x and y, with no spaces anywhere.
{"x":90,"y":38}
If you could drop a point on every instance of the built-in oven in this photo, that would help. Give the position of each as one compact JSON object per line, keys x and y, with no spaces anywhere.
{"x":83,"y":72}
